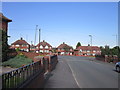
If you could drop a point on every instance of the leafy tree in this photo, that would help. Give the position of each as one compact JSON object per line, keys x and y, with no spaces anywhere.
{"x":107,"y":50}
{"x":78,"y":44}
{"x":4,"y":44}
{"x":88,"y":44}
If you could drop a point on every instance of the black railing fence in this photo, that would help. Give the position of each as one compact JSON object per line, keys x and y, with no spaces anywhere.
{"x":16,"y":78}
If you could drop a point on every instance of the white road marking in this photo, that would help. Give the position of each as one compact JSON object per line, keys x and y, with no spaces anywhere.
{"x":74,"y":76}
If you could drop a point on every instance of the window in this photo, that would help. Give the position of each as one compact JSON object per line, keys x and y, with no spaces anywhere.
{"x":41,"y":46}
{"x":41,"y":50}
{"x":80,"y":50}
{"x":47,"y":51}
{"x":46,"y":46}
{"x":88,"y":50}
{"x":94,"y":51}
{"x":17,"y":45}
{"x":62,"y":52}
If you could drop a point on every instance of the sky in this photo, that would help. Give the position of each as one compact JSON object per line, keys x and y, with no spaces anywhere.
{"x":69,"y":22}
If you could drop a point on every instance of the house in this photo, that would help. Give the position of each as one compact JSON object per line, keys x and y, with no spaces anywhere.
{"x":32,"y":48}
{"x":21,"y":45}
{"x":64,"y":49}
{"x":4,"y":22}
{"x":87,"y":50}
{"x":44,"y":47}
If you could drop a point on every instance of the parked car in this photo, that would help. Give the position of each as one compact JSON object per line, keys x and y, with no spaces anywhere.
{"x":117,"y":66}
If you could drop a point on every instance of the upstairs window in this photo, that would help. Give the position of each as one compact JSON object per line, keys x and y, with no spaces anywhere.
{"x":46,"y":46}
{"x":41,"y":46}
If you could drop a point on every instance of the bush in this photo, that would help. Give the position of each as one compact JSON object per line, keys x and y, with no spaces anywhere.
{"x":17,"y":61}
{"x":4,"y":44}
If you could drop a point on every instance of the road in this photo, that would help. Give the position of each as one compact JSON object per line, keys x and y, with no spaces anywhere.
{"x":82,"y":72}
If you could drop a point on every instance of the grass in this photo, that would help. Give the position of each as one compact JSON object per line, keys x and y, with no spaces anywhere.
{"x":17,"y":61}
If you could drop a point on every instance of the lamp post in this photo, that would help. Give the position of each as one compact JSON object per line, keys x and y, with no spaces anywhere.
{"x":90,"y":39}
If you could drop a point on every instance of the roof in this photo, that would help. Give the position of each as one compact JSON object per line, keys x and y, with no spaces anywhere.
{"x":20,"y":42}
{"x":88,"y":48}
{"x":61,"y":46}
{"x":44,"y":44}
{"x":5,"y":18}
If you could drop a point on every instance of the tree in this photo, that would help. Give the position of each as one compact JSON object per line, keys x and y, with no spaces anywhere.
{"x":88,"y":44}
{"x":4,"y":44}
{"x":78,"y":44}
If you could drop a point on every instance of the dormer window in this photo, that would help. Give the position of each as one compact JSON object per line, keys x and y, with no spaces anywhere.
{"x":46,"y":46}
{"x":41,"y":46}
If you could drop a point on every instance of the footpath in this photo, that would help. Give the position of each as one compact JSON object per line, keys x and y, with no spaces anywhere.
{"x":61,"y":77}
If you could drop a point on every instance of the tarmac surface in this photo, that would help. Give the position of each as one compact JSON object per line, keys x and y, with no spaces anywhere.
{"x":82,"y":72}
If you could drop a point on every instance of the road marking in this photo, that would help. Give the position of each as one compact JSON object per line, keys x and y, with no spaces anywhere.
{"x":74,"y":76}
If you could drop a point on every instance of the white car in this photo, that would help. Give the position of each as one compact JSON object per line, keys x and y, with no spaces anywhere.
{"x":117,"y":66}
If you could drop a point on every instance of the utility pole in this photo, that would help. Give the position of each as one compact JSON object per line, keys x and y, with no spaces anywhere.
{"x":39,"y":35}
{"x":39,"y":39}
{"x":35,"y":34}
{"x":90,"y":39}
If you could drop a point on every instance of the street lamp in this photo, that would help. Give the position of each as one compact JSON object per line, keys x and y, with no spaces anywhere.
{"x":91,"y":39}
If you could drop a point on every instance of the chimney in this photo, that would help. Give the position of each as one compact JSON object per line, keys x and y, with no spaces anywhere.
{"x":43,"y":40}
{"x":21,"y":38}
{"x":63,"y":42}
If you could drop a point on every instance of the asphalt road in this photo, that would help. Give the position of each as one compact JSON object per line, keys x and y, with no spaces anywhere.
{"x":82,"y":72}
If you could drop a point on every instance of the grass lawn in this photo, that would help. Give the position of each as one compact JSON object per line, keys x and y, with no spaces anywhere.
{"x":17,"y":61}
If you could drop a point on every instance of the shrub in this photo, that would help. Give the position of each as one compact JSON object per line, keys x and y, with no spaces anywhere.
{"x":17,"y":61}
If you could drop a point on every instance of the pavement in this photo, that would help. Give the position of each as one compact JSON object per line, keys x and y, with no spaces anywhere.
{"x":82,"y":72}
{"x":61,"y":77}
{"x":5,"y":69}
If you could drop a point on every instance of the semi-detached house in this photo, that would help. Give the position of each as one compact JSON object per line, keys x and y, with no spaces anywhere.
{"x":21,"y":44}
{"x":44,"y":47}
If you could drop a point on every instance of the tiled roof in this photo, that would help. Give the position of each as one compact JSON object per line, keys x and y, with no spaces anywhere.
{"x":61,"y":46}
{"x":20,"y":42}
{"x":4,"y":18}
{"x":44,"y":44}
{"x":88,"y":48}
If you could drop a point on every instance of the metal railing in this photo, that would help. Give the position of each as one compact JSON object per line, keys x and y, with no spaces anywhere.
{"x":16,"y":78}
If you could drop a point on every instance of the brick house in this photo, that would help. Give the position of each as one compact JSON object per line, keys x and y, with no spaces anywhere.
{"x":44,"y":47}
{"x":4,"y":22}
{"x":87,"y":50}
{"x":64,"y":49}
{"x":32,"y":48}
{"x":21,"y":44}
